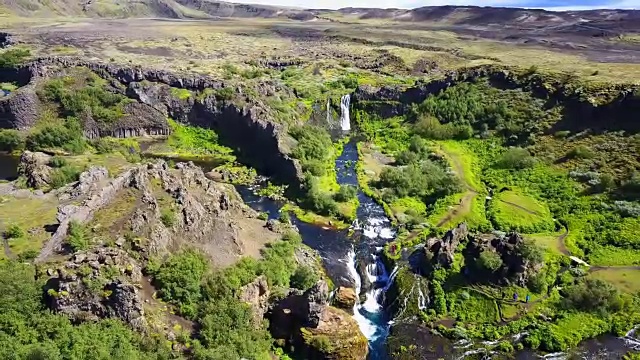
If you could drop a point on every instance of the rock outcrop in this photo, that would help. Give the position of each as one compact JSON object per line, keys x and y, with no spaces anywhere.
{"x":204,"y":214}
{"x":315,"y":329}
{"x":34,"y":167}
{"x":441,"y":251}
{"x":256,"y":294}
{"x":345,"y":298}
{"x":95,"y":285}
{"x":520,"y":261}
{"x":597,"y":107}
{"x":243,"y":123}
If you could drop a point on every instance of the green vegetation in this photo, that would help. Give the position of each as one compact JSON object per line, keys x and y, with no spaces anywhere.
{"x":168,"y":217}
{"x":514,"y":211}
{"x":11,"y":140}
{"x":13,"y":231}
{"x":182,"y":94}
{"x":191,"y":140}
{"x":64,"y":175}
{"x":85,"y":94}
{"x":77,"y":237}
{"x":67,"y":136}
{"x":23,"y":335}
{"x":13,"y":57}
{"x":226,"y":324}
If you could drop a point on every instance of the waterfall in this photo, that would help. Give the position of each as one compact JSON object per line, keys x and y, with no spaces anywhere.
{"x":345,"y":121}
{"x":329,"y":117}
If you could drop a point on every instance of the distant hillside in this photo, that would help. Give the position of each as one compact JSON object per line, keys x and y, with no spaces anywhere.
{"x":595,"y":23}
{"x":173,"y":9}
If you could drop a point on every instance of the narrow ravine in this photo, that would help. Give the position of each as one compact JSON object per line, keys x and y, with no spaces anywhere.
{"x":350,"y":258}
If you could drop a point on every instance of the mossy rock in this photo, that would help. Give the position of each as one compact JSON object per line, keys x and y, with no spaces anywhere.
{"x":337,"y":337}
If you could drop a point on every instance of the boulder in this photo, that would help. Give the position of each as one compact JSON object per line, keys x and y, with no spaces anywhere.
{"x":308,"y":323}
{"x":34,"y":167}
{"x":345,"y":298}
{"x":256,"y":294}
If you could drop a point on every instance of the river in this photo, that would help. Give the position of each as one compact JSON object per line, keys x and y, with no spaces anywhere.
{"x":352,"y":260}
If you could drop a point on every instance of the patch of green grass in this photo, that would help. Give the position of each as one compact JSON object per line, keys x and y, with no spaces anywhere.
{"x":182,"y":94}
{"x":31,"y":215}
{"x":7,"y":86}
{"x":113,"y":219}
{"x":546,"y":241}
{"x":190,"y":140}
{"x":512,"y":210}
{"x":626,"y":280}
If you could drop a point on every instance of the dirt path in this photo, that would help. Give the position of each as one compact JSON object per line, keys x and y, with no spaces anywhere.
{"x":465,"y":203}
{"x":7,"y":249}
{"x":561,"y":245}
{"x":499,"y":302}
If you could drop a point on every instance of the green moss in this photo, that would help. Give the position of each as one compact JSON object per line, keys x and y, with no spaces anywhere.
{"x":182,"y":94}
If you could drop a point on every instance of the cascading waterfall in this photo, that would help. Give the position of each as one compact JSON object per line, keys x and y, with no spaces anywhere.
{"x":329,"y":116}
{"x":345,"y":121}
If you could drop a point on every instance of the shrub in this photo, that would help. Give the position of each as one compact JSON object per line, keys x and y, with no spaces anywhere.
{"x":168,"y":217}
{"x":292,"y":237}
{"x":179,"y":279}
{"x":13,"y":57}
{"x":304,"y":278}
{"x":489,"y":261}
{"x":63,"y":176}
{"x":225,"y":93}
{"x":263,"y":216}
{"x":419,"y":180}
{"x":346,"y":193}
{"x":14,"y":231}
{"x":58,"y":162}
{"x":592,"y":295}
{"x":88,"y":98}
{"x":515,"y":158}
{"x":68,"y":136}
{"x":77,"y":237}
{"x":580,"y":152}
{"x":11,"y":140}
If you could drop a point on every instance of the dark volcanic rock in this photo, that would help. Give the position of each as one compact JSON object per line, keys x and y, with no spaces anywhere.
{"x":19,"y":110}
{"x":443,"y":249}
{"x":301,"y":318}
{"x":69,"y":291}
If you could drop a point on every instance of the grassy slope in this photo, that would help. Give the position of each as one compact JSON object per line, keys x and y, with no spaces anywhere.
{"x":467,"y":206}
{"x":515,"y":211}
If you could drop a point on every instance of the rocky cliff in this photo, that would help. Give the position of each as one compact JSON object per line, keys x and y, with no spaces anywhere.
{"x":315,"y":329}
{"x":243,"y":124}
{"x":587,"y":105}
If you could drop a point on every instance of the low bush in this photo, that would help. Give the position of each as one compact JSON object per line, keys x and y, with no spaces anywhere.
{"x":77,"y":237}
{"x":14,"y":231}
{"x":515,"y":158}
{"x":580,"y":152}
{"x":68,"y":136}
{"x":11,"y":140}
{"x":346,"y":193}
{"x":304,"y":278}
{"x":13,"y":57}
{"x":65,"y":175}
{"x":168,"y":217}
